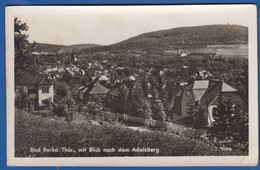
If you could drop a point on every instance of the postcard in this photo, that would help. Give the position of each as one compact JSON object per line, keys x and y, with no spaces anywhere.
{"x":147,"y":85}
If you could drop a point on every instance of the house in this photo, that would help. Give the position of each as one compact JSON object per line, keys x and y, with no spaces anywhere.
{"x":93,"y":92}
{"x":184,"y":54}
{"x":105,"y":72}
{"x":203,"y":74}
{"x":61,"y":69}
{"x":103,"y":78}
{"x":73,"y":67}
{"x":48,"y":70}
{"x":204,"y":93}
{"x":185,"y":67}
{"x":35,"y":86}
{"x":131,"y":78}
{"x":183,"y":84}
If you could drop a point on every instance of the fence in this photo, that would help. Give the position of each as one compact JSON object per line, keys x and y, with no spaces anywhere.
{"x":175,"y":128}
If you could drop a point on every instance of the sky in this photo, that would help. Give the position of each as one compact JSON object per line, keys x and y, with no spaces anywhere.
{"x":106,"y":25}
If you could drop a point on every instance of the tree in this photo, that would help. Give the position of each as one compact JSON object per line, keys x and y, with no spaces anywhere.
{"x":144,"y":85}
{"x":23,"y":49}
{"x":137,"y":104}
{"x":230,"y":121}
{"x":219,"y":127}
{"x":239,"y":126}
{"x":146,"y":109}
{"x":157,"y":106}
{"x":121,"y":106}
{"x":199,"y":119}
{"x":62,"y":90}
{"x":20,"y":99}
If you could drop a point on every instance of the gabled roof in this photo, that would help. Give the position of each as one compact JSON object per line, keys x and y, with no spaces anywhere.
{"x":201,"y":84}
{"x":114,"y":92}
{"x":94,"y":88}
{"x":227,"y":88}
{"x":97,"y":88}
{"x":179,"y":93}
{"x":32,"y":78}
{"x":199,"y":88}
{"x":188,"y":87}
{"x":44,"y":81}
{"x":206,"y":91}
{"x":214,"y":90}
{"x":28,"y":78}
{"x":211,"y":93}
{"x":198,"y":93}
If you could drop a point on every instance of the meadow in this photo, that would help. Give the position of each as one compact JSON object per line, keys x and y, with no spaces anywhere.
{"x":241,"y":51}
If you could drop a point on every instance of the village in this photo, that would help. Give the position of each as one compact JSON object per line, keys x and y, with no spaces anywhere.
{"x":103,"y":85}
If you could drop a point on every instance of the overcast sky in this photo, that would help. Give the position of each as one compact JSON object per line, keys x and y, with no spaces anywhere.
{"x":108,"y":25}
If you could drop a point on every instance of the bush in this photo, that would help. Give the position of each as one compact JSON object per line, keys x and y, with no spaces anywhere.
{"x":60,"y":110}
{"x":46,"y":102}
{"x":231,"y":124}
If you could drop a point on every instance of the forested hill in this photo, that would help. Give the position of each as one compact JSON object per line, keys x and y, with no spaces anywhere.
{"x":202,"y":35}
{"x":185,"y":37}
{"x":53,"y":48}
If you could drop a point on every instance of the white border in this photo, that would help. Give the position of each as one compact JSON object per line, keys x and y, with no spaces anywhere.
{"x":250,"y":160}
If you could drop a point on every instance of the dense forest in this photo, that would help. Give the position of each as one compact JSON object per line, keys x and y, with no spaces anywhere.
{"x":184,"y":37}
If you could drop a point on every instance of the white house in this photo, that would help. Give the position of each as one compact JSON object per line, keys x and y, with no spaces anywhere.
{"x":36,"y":87}
{"x":184,"y":54}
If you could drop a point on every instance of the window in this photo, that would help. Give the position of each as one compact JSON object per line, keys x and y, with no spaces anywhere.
{"x":45,"y":90}
{"x":188,"y":93}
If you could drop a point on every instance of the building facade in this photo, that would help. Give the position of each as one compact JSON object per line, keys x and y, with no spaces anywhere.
{"x":205,"y":94}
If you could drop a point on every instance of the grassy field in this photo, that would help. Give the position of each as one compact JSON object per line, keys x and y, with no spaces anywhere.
{"x":232,"y":52}
{"x":240,"y":51}
{"x":51,"y":135}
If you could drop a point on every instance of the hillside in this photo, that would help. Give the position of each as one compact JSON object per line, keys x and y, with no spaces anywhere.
{"x":53,"y":48}
{"x":185,"y":37}
{"x":55,"y":132}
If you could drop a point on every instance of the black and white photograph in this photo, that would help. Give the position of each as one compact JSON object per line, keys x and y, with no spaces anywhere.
{"x":132,"y":85}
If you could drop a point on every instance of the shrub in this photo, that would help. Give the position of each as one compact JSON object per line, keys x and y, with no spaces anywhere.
{"x":59,"y":111}
{"x":46,"y":102}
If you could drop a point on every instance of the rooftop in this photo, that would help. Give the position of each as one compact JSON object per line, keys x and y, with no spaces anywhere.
{"x":227,"y":88}
{"x":98,"y":89}
{"x":94,"y":88}
{"x":200,"y":84}
{"x":32,"y":78}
